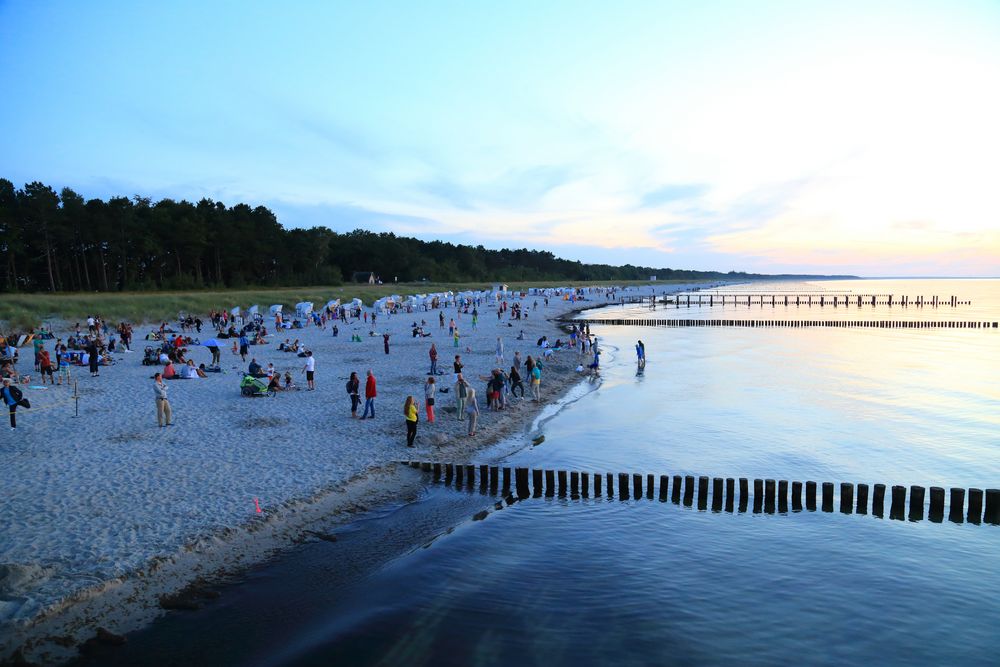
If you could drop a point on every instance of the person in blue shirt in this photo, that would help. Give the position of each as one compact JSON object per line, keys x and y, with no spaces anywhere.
{"x":11,"y":396}
{"x":244,"y":347}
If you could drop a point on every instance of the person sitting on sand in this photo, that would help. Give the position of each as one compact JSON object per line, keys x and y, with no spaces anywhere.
{"x":255,"y":369}
{"x":289,"y":385}
{"x":193,"y":372}
{"x":283,"y":347}
{"x":274,"y":384}
{"x":169,"y":372}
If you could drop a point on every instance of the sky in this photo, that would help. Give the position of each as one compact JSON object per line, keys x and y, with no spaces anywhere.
{"x":820,"y":137}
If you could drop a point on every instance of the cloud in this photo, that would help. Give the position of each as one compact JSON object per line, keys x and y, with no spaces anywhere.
{"x":671,"y":193}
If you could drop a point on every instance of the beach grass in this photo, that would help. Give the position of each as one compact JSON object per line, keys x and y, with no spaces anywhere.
{"x":22,"y":311}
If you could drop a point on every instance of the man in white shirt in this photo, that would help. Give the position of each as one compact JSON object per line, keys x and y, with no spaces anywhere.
{"x":310,"y":370}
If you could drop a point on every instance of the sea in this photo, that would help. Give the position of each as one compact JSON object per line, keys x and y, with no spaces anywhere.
{"x":459,"y":577}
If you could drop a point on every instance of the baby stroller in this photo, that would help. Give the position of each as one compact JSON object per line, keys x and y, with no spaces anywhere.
{"x":251,"y":386}
{"x":150,"y":357}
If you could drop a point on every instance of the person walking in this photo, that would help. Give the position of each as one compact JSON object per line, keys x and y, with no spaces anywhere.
{"x":410,"y":412}
{"x":434,"y":359}
{"x":353,"y":390}
{"x":472,"y":410}
{"x":164,"y":415}
{"x":11,"y":396}
{"x":370,"y":394}
{"x":310,"y":370}
{"x":430,"y":389}
{"x":385,"y":341}
{"x":461,"y":394}
{"x":46,"y":367}
{"x":515,"y":382}
{"x":244,"y":347}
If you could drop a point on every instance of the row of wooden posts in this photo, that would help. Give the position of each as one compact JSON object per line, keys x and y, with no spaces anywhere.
{"x":768,"y":495}
{"x":807,"y":300}
{"x":867,"y":324}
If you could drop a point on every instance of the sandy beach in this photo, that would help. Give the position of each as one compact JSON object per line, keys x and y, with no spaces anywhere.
{"x":105,"y":513}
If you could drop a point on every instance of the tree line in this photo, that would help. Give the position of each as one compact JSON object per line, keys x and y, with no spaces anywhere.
{"x":56,"y":242}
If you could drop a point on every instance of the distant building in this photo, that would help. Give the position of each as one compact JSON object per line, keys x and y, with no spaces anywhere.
{"x":364,"y":277}
{"x":652,"y":279}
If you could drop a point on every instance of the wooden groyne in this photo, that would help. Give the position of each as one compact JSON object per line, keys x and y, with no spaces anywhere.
{"x":821,"y":299}
{"x":728,"y":494}
{"x":864,"y":324}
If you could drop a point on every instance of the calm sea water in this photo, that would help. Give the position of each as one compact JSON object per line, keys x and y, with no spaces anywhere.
{"x":606,"y":581}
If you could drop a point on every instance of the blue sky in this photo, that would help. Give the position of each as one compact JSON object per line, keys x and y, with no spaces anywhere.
{"x":848,"y":137}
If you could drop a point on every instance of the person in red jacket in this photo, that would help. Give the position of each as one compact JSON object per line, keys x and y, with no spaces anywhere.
{"x":370,"y":395}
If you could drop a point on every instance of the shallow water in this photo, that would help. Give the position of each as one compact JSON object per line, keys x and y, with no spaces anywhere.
{"x":597,"y":581}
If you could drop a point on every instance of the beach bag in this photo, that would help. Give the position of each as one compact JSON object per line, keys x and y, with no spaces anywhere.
{"x":430,"y":402}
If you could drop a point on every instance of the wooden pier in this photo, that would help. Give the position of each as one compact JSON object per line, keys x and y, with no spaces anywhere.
{"x":723,"y":494}
{"x":821,"y":299}
{"x":742,"y":322}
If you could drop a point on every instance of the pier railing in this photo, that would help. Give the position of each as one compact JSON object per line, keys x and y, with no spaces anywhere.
{"x":725,"y":494}
{"x":742,"y":322}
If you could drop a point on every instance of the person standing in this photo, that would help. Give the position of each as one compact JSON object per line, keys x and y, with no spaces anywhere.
{"x":410,"y":412}
{"x":515,"y":382}
{"x":93,"y":358}
{"x":163,"y":413}
{"x":45,"y":366}
{"x":11,"y":396}
{"x":434,"y":359}
{"x":310,"y":370}
{"x":472,"y":409}
{"x":370,"y":394}
{"x":536,"y":382}
{"x":385,"y":341}
{"x":430,"y":389}
{"x":353,"y":390}
{"x":499,"y":351}
{"x":461,"y":394}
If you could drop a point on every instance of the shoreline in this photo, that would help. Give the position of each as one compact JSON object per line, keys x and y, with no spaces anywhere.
{"x":132,"y":599}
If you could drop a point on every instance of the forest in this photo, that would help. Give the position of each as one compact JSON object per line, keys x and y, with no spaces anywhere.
{"x":60,"y":242}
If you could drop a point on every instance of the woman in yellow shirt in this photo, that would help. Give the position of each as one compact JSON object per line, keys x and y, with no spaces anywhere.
{"x":410,"y":412}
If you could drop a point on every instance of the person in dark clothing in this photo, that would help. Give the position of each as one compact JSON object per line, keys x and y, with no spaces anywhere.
{"x":94,"y":358}
{"x":354,"y":391}
{"x":515,"y":382}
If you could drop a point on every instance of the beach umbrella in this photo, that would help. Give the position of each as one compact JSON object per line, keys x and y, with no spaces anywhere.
{"x":254,"y":309}
{"x":276,"y":308}
{"x":235,"y":311}
{"x":211,"y":342}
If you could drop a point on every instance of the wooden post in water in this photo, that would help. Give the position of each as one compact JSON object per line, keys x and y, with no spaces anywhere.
{"x":550,"y":483}
{"x":470,"y":475}
{"x":992,"y":515}
{"x":936,"y":511}
{"x":975,"y":506}
{"x":521,"y":479}
{"x":917,"y":503}
{"x":730,"y":493}
{"x":574,"y":484}
{"x":796,"y":496}
{"x":449,"y":473}
{"x":459,"y":477}
{"x":536,"y":482}
{"x":702,"y":492}
{"x":897,"y":509}
{"x":562,"y":483}
{"x":437,"y":471}
{"x":878,"y":500}
{"x":649,"y":487}
{"x":783,"y":496}
{"x":811,"y":496}
{"x":585,"y":484}
{"x":956,"y":511}
{"x":675,"y":497}
{"x":611,"y":485}
{"x":597,"y":484}
{"x":758,"y":495}
{"x":494,"y":478}
{"x":827,"y":496}
{"x":716,"y":494}
{"x":862,"y":507}
{"x":769,"y":496}
{"x":623,"y":486}
{"x":506,"y":481}
{"x":688,"y":490}
{"x":664,"y":487}
{"x":636,"y":486}
{"x":744,"y":493}
{"x":846,"y":497}
{"x":484,"y":476}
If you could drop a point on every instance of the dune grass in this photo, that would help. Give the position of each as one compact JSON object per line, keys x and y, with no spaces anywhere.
{"x":20,"y":312}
